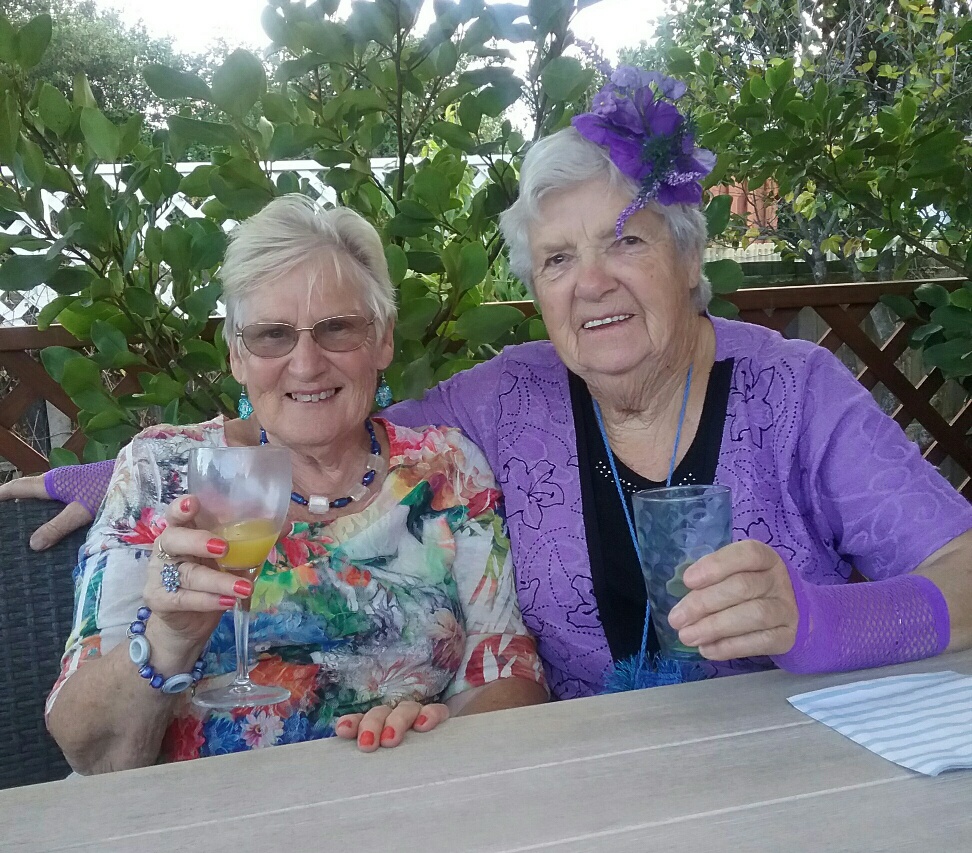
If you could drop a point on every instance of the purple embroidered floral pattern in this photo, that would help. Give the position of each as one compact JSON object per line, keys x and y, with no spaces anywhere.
{"x":817,"y":471}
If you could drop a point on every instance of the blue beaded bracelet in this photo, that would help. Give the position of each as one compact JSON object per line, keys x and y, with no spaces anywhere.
{"x":139,"y":650}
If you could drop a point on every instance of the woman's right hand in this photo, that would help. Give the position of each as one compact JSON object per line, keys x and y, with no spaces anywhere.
{"x":190,"y":614}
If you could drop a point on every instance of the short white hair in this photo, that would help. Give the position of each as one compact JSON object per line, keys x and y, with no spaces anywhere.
{"x":566,"y":158}
{"x":293,"y":232}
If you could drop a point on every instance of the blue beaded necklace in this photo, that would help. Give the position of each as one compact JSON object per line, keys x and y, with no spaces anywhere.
{"x":319,"y":504}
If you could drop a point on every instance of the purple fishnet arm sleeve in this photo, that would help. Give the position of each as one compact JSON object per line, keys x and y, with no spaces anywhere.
{"x":862,"y":625}
{"x":85,"y":484}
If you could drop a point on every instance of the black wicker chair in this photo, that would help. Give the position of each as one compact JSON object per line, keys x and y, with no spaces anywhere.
{"x":36,"y":608}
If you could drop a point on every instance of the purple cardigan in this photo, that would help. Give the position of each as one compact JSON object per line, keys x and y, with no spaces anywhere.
{"x":817,"y":471}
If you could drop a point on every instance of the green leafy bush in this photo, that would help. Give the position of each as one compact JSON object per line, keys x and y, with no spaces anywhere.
{"x":139,"y":280}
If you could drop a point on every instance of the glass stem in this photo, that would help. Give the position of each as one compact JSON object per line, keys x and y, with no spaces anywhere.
{"x":241,"y":625}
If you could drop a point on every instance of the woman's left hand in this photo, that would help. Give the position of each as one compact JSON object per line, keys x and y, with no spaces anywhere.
{"x":384,"y":726}
{"x":740,"y":604}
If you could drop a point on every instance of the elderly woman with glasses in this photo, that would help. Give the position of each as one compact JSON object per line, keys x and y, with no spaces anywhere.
{"x":371,"y":610}
{"x":639,"y":387}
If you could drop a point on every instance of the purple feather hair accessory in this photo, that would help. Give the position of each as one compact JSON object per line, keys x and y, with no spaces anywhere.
{"x":634,"y":116}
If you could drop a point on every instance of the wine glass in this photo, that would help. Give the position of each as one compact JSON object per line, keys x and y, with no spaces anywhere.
{"x":243,"y":494}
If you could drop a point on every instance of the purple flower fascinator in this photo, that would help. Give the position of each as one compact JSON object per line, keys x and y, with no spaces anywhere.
{"x":647,"y":138}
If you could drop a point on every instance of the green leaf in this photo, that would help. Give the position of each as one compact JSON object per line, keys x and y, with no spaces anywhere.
{"x":961,"y":298}
{"x":923,"y":333}
{"x":107,"y":338}
{"x":141,"y":302}
{"x":80,"y":374}
{"x":25,"y":272}
{"x":70,"y":280}
{"x":49,"y":313}
{"x":203,"y":132}
{"x":445,"y":58}
{"x":100,"y":134}
{"x":932,"y":294}
{"x":680,"y":61}
{"x":170,"y":83}
{"x":83,"y":96}
{"x":32,"y":40}
{"x":483,"y":324}
{"x":759,"y":88}
{"x":425,"y":262}
{"x":54,"y":109}
{"x":726,"y":276}
{"x":55,"y":359}
{"x":454,"y":135}
{"x":473,"y":266}
{"x":953,"y":358}
{"x":8,"y":41}
{"x":60,"y":456}
{"x":433,"y":188}
{"x":414,"y":380}
{"x":496,"y":99}
{"x":779,"y":75}
{"x":901,"y":305}
{"x":720,"y":307}
{"x":953,"y":320}
{"x":278,"y":107}
{"x":207,"y":250}
{"x":201,"y":304}
{"x":327,"y":38}
{"x":565,"y":79}
{"x":238,"y":83}
{"x":9,"y":128}
{"x":717,"y":213}
{"x":415,"y":316}
{"x":397,"y":263}
{"x":176,"y":244}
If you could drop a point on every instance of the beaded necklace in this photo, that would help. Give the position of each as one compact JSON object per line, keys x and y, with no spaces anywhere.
{"x":320,"y":504}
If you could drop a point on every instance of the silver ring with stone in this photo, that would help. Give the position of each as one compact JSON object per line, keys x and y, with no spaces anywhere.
{"x":171,"y":581}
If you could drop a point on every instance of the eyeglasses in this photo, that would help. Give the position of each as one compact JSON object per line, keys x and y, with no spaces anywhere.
{"x":334,"y":334}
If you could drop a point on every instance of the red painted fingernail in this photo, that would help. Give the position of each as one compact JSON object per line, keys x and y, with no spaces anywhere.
{"x":422,"y":720}
{"x":366,"y":738}
{"x":388,"y":733}
{"x":243,"y":587}
{"x":217,"y":547}
{"x":186,"y":504}
{"x":344,"y":724}
{"x":226,"y":601}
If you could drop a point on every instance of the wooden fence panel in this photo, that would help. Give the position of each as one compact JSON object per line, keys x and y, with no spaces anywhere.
{"x":845,"y":309}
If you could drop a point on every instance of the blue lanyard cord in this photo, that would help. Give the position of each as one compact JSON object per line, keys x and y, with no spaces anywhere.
{"x":668,"y":482}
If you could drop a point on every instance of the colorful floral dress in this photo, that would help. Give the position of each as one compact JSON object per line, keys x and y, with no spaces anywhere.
{"x":411,"y":598}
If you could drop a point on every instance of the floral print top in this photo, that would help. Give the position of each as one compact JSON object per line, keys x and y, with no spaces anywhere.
{"x":411,"y":598}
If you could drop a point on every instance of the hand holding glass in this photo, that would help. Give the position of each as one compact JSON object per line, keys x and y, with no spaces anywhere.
{"x":675,"y":527}
{"x":244,"y":494}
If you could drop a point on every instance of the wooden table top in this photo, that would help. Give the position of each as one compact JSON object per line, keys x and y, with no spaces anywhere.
{"x":723,"y":765}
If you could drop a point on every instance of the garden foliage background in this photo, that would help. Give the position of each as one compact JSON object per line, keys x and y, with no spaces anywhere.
{"x":855,"y":116}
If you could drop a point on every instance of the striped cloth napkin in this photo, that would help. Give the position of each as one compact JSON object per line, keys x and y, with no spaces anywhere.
{"x":922,"y":721}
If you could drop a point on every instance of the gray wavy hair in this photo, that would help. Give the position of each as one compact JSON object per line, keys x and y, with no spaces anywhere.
{"x":292,"y":231}
{"x":566,"y":158}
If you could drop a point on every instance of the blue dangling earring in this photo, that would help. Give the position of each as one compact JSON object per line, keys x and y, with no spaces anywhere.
{"x":244,"y":408}
{"x":383,"y":396}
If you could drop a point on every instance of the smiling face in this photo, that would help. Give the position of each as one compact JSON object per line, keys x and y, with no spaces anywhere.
{"x":611,"y":306}
{"x":310,"y":398}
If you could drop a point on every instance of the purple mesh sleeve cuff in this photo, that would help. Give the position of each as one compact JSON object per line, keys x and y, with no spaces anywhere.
{"x":85,"y":484}
{"x":862,"y":625}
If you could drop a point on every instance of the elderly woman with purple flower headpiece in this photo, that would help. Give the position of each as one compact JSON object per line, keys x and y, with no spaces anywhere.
{"x":639,"y":387}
